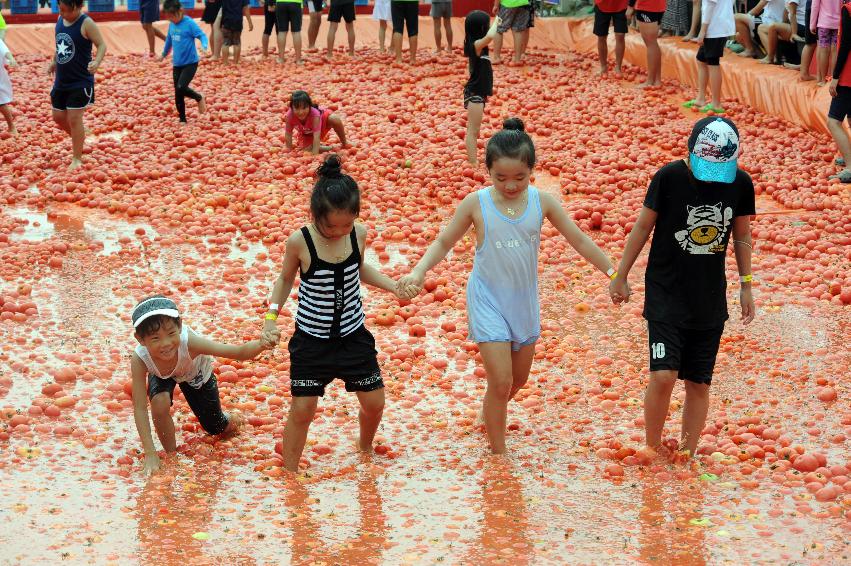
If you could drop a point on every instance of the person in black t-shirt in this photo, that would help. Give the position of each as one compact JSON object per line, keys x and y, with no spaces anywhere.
{"x":478,"y":33}
{"x":230,"y":19}
{"x":693,"y":207}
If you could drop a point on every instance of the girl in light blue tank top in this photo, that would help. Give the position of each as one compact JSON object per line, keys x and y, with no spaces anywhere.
{"x":504,"y":316}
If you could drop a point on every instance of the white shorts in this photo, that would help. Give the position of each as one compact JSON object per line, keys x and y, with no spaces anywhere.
{"x":381,"y":11}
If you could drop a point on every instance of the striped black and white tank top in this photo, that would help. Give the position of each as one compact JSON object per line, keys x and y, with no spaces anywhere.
{"x":329,"y":303}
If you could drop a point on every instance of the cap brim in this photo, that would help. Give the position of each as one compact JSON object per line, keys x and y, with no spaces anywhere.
{"x":712,"y":171}
{"x":173,"y":313}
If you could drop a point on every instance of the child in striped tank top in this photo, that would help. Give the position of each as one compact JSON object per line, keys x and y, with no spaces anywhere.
{"x":330,"y":340}
{"x":503,"y":313}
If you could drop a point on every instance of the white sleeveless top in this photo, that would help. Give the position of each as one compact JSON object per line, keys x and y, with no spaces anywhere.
{"x":194,"y":371}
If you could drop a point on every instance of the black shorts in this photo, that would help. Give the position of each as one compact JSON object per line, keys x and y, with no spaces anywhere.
{"x":405,"y":14}
{"x":231,"y":34}
{"x":810,"y":38}
{"x":603,"y":19}
{"x":204,"y":401}
{"x":338,"y":12}
{"x":211,"y":10}
{"x":649,"y":17}
{"x":712,"y":50}
{"x":840,"y":105}
{"x":690,"y":351}
{"x":269,"y":21}
{"x":470,"y":98}
{"x":313,"y":6}
{"x":149,"y":11}
{"x":316,"y":362}
{"x":289,"y":16}
{"x":72,"y":99}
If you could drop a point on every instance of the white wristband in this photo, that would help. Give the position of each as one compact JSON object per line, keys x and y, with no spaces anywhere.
{"x":274,"y":307}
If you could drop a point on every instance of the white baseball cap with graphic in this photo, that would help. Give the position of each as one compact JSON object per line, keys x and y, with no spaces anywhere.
{"x":714,"y":150}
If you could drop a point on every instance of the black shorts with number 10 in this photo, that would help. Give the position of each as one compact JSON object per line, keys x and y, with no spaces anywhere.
{"x":690,"y":351}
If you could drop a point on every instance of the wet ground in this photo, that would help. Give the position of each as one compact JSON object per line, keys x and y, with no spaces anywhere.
{"x":201,"y":213}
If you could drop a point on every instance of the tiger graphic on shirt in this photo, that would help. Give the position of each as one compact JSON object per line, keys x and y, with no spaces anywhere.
{"x":706,"y":227}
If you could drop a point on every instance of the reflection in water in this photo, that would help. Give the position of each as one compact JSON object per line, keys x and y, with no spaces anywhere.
{"x":176,"y":504}
{"x":504,"y":533}
{"x":672,"y":524}
{"x":308,"y":544}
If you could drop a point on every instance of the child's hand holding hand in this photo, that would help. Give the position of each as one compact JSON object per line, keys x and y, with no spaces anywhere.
{"x":409,"y":286}
{"x":270,"y":338}
{"x":151,"y":465}
{"x":619,"y":290}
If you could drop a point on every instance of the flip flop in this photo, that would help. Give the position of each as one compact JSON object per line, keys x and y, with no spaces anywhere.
{"x":844,"y":176}
{"x":710,"y":108}
{"x":840,"y":162}
{"x":690,"y":104}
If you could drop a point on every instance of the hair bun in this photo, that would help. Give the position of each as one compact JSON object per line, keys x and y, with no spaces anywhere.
{"x":513,"y":124}
{"x":331,"y":168}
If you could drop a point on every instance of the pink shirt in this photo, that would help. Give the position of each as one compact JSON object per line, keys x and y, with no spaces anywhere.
{"x":825,"y":14}
{"x":312,"y":122}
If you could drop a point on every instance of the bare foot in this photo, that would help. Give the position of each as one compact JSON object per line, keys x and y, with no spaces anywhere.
{"x":765,"y":61}
{"x":688,"y":37}
{"x":603,"y":71}
{"x":807,"y":77}
{"x":235,"y":423}
{"x":746,"y":53}
{"x":496,"y":61}
{"x":75,"y":163}
{"x":791,"y":66}
{"x":299,"y":61}
{"x":281,"y":61}
{"x":13,"y":131}
{"x":821,"y":83}
{"x":202,"y":105}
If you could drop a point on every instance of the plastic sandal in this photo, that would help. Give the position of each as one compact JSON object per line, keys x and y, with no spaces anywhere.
{"x":844,"y":176}
{"x":840,"y":162}
{"x":690,"y":104}
{"x":710,"y":108}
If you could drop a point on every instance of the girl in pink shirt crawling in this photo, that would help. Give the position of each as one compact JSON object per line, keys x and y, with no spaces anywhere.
{"x":312,"y":122}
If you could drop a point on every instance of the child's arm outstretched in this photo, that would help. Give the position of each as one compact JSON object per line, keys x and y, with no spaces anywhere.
{"x":372,"y":276}
{"x":411,"y":284}
{"x":480,"y":44}
{"x":578,"y":240}
{"x":139,"y":375}
{"x":619,"y":287}
{"x":198,"y":33}
{"x":198,"y":345}
{"x":283,"y":285}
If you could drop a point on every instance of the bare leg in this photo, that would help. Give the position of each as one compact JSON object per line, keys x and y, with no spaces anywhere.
{"x":438,"y":39}
{"x":369,"y":417}
{"x":695,"y":409}
{"x":78,"y":136}
{"x":823,"y":59}
{"x":336,"y":124}
{"x":163,"y":423}
{"x":225,"y":54}
{"x":237,"y":51}
{"x":496,"y":357}
{"x":350,"y":32}
{"x":61,"y":119}
{"x":297,"y":47}
{"x":603,"y":53}
{"x":650,"y":35}
{"x":620,"y":48}
{"x":496,"y":54}
{"x":524,"y":42}
{"x":397,"y":46}
{"x":657,"y":400}
{"x":382,"y":35}
{"x":518,"y":45}
{"x":715,"y":78}
{"x":332,"y":34}
{"x":521,"y":364}
{"x":282,"y":46}
{"x":475,"y":113}
{"x":702,"y":83}
{"x":299,"y":418}
{"x":313,"y":30}
{"x":806,"y":60}
{"x":743,"y":35}
{"x":695,"y":21}
{"x":10,"y":119}
{"x":218,"y":32}
{"x":840,"y":136}
{"x":412,"y":47}
{"x":447,"y":26}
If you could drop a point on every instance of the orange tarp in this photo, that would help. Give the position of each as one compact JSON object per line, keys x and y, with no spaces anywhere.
{"x":769,"y":89}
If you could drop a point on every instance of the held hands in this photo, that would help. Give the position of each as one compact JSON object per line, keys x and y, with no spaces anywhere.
{"x":270,"y":337}
{"x":629,"y":12}
{"x":409,"y":286}
{"x":619,"y":290}
{"x":748,"y":307}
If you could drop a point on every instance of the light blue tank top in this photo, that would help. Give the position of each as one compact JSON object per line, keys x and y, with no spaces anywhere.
{"x":502,"y":293}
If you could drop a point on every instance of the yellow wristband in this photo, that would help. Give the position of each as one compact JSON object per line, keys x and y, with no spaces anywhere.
{"x":746,"y":278}
{"x":271,"y":316}
{"x":613,"y":276}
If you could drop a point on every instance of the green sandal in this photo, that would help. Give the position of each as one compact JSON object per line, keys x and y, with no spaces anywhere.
{"x":690,"y":104}
{"x":710,"y":108}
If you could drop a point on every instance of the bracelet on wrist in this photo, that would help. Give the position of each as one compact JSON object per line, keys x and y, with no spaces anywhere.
{"x":271,"y":316}
{"x":746,"y":278}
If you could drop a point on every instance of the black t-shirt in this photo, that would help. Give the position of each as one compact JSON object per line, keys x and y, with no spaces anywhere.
{"x":685,"y":283}
{"x":481,"y":75}
{"x":232,"y":14}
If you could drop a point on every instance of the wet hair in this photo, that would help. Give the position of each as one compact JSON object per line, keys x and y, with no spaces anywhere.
{"x":476,"y":26}
{"x":512,"y":142}
{"x":72,"y":3}
{"x":172,"y":6}
{"x":334,"y":190}
{"x":153,"y":323}
{"x":300,"y":98}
